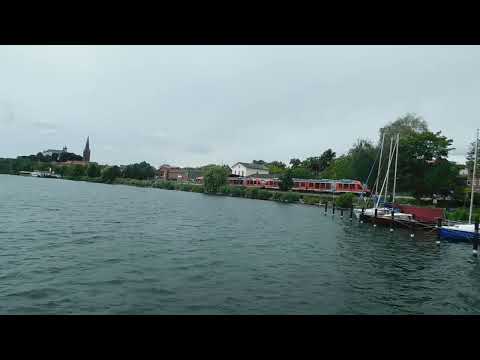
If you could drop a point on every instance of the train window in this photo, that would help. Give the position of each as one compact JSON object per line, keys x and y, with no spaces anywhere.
{"x":317,"y":185}
{"x":310,"y":185}
{"x":328,"y":186}
{"x":352,"y":186}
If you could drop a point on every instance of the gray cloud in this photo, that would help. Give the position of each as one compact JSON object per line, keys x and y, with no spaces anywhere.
{"x":191,"y":105}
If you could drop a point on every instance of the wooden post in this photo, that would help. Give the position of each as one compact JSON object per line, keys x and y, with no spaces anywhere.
{"x":333,"y":209}
{"x":361,"y":216}
{"x":393,"y":220}
{"x":412,"y":234}
{"x":439,"y":226}
{"x":475,"y":238}
{"x":351,"y":213}
{"x":375,"y":218}
{"x":341,"y":213}
{"x":326,"y":206}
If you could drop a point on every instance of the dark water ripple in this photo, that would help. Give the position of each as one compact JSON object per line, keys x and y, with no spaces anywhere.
{"x":74,"y":248}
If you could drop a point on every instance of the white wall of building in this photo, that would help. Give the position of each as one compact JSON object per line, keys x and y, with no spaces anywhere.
{"x":242,"y":170}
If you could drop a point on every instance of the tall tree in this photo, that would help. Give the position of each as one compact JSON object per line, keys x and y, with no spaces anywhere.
{"x":422,"y":163}
{"x":363,"y":155}
{"x":286,"y":181}
{"x":471,"y":158}
{"x":406,"y":125}
{"x":295,"y":162}
{"x":93,"y":170}
{"x":277,"y":164}
{"x":214,"y":178}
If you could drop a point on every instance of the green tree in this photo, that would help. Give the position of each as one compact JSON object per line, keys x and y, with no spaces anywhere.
{"x":277,"y":164}
{"x":406,"y":125}
{"x":93,"y":170}
{"x":140,"y":171}
{"x":259,"y":162}
{"x":341,"y":168}
{"x":317,"y":164}
{"x":75,"y":171}
{"x":286,"y":180}
{"x":345,"y":200}
{"x":275,"y":170}
{"x":362,"y":156}
{"x":471,"y":159}
{"x":302,"y":172}
{"x":214,"y":178}
{"x":422,"y":165}
{"x":295,"y":162}
{"x":110,"y":173}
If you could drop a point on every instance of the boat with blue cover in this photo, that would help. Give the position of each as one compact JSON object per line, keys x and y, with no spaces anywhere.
{"x":465,"y":232}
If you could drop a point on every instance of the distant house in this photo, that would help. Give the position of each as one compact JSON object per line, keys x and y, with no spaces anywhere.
{"x":192,"y":173}
{"x":462,"y":170}
{"x":171,"y":173}
{"x":247,"y":169}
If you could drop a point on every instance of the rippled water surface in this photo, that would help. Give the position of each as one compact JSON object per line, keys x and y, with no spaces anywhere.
{"x":74,"y":248}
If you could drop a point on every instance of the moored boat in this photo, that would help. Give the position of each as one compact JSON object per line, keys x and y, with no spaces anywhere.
{"x":463,"y":231}
{"x":459,"y":232}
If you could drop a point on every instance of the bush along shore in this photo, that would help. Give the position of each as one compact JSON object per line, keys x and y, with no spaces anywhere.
{"x":341,"y":201}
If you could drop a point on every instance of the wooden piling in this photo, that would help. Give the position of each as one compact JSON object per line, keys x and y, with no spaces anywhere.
{"x":393,"y":220}
{"x":333,"y":209}
{"x":439,"y":226}
{"x":475,"y":238}
{"x":341,"y":213}
{"x":326,"y":207}
{"x":351,"y":212}
{"x":375,"y":218}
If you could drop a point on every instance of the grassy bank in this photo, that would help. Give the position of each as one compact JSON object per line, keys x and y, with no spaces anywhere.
{"x":276,"y":195}
{"x":248,"y":193}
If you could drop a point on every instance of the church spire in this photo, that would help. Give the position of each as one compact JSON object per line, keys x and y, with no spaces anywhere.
{"x":86,"y":151}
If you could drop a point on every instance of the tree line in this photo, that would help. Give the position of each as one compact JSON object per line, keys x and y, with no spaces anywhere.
{"x":423,"y":167}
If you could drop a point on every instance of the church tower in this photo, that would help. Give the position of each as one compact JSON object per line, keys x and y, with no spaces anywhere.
{"x":86,"y":151}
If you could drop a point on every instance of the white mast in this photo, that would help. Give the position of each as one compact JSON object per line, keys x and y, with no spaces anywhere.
{"x":395,"y":175}
{"x":379,"y":165}
{"x":390,"y":158}
{"x":473,"y":180}
{"x":388,"y":170}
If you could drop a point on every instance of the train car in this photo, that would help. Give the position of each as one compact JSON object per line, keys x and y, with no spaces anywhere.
{"x":328,"y":186}
{"x":301,"y":185}
{"x":236,"y":181}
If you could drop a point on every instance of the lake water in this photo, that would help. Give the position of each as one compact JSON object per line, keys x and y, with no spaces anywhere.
{"x":83,"y":248}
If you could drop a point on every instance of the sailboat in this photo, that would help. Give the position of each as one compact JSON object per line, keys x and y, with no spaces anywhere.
{"x":463,"y":231}
{"x":384,"y":211}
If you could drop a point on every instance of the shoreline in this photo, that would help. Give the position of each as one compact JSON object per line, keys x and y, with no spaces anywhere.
{"x":289,"y":197}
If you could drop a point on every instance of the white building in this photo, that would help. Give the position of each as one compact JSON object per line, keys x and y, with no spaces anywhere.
{"x":246,"y":169}
{"x":50,"y":152}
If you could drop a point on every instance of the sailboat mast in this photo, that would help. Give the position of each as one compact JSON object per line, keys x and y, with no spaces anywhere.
{"x":395,"y":174}
{"x":473,"y":180}
{"x":390,"y":157}
{"x":379,"y":164}
{"x":386,"y":176}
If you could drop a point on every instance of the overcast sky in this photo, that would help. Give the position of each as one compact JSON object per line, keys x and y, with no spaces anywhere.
{"x":194,"y":105}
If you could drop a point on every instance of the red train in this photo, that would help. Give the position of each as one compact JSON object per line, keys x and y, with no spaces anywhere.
{"x":306,"y":185}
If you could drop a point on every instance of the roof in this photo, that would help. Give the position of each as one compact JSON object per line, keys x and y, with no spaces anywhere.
{"x":347,"y":181}
{"x":252,"y":166}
